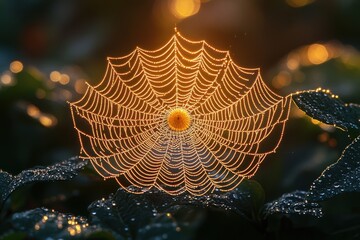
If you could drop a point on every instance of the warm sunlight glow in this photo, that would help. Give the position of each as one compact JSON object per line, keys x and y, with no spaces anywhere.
{"x":179,"y":119}
{"x":16,"y":67}
{"x":33,"y":111}
{"x":184,"y":8}
{"x":293,"y":62}
{"x":80,"y":86}
{"x":64,"y":79}
{"x":55,"y":76}
{"x":281,"y":80}
{"x":6,"y":79}
{"x":40,"y":93}
{"x":298,"y":3}
{"x":47,"y":120}
{"x":317,"y":53}
{"x":182,"y":118}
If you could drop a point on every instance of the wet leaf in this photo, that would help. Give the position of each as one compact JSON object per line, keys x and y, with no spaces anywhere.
{"x":293,"y":203}
{"x":105,"y":213}
{"x":242,"y":200}
{"x":327,"y":108}
{"x":40,"y":223}
{"x":150,"y":215}
{"x":342,"y":176}
{"x":165,"y":227}
{"x":61,"y":171}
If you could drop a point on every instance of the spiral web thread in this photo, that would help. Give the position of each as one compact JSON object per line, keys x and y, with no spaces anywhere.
{"x":236,"y":120}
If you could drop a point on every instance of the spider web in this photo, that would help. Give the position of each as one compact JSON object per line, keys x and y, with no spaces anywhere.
{"x":236,"y":120}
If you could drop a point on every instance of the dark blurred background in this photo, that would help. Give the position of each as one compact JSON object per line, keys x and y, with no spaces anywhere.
{"x":48,"y":49}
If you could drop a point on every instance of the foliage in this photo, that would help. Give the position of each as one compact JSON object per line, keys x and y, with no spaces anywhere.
{"x":61,"y":171}
{"x":342,"y":176}
{"x":156,"y":215}
{"x":328,"y":108}
{"x":294,"y":203}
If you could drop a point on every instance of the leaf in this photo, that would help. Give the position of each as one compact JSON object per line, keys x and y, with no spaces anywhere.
{"x":148,"y":215}
{"x":105,"y":213}
{"x":242,"y":200}
{"x":328,"y":108}
{"x":65,"y":170}
{"x":152,"y":215}
{"x":293,"y":203}
{"x":165,"y":227}
{"x":40,"y":223}
{"x":342,"y":176}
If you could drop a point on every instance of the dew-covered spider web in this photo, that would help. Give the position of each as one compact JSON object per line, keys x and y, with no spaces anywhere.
{"x":182,"y":118}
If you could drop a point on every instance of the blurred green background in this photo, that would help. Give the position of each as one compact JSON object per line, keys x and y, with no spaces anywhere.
{"x":48,"y":49}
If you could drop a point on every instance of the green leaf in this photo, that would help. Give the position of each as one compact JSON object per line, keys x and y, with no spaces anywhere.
{"x":293,"y":203}
{"x":61,"y":171}
{"x":340,"y":177}
{"x":328,"y":108}
{"x":13,"y":235}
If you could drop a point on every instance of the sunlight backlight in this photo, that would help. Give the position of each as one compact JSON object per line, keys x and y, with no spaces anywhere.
{"x":55,"y":76}
{"x":317,"y":53}
{"x":47,"y":121}
{"x":16,"y":66}
{"x":6,"y":79}
{"x":33,"y":111}
{"x":298,"y":3}
{"x":184,"y":8}
{"x":80,"y":86}
{"x":64,"y":79}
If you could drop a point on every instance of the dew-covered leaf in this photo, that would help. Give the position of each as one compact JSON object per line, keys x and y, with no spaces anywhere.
{"x":293,"y":203}
{"x":148,"y":214}
{"x":135,"y":210}
{"x":41,"y":223}
{"x":165,"y":227}
{"x":342,"y":176}
{"x":105,"y":213}
{"x":328,"y":108}
{"x":247,"y":197}
{"x":5,"y":181}
{"x":60,"y":171}
{"x":152,"y":215}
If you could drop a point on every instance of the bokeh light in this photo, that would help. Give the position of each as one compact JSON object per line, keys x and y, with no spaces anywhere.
{"x":33,"y":111}
{"x":64,"y":79}
{"x":317,"y":53}
{"x":281,"y":80}
{"x":47,"y":120}
{"x":293,"y":61}
{"x":55,"y":76}
{"x":6,"y":79}
{"x":16,"y":66}
{"x":80,"y":86}
{"x":40,"y":94}
{"x":184,"y":8}
{"x":298,"y":3}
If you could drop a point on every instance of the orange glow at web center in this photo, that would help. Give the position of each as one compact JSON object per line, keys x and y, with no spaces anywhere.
{"x":179,"y":119}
